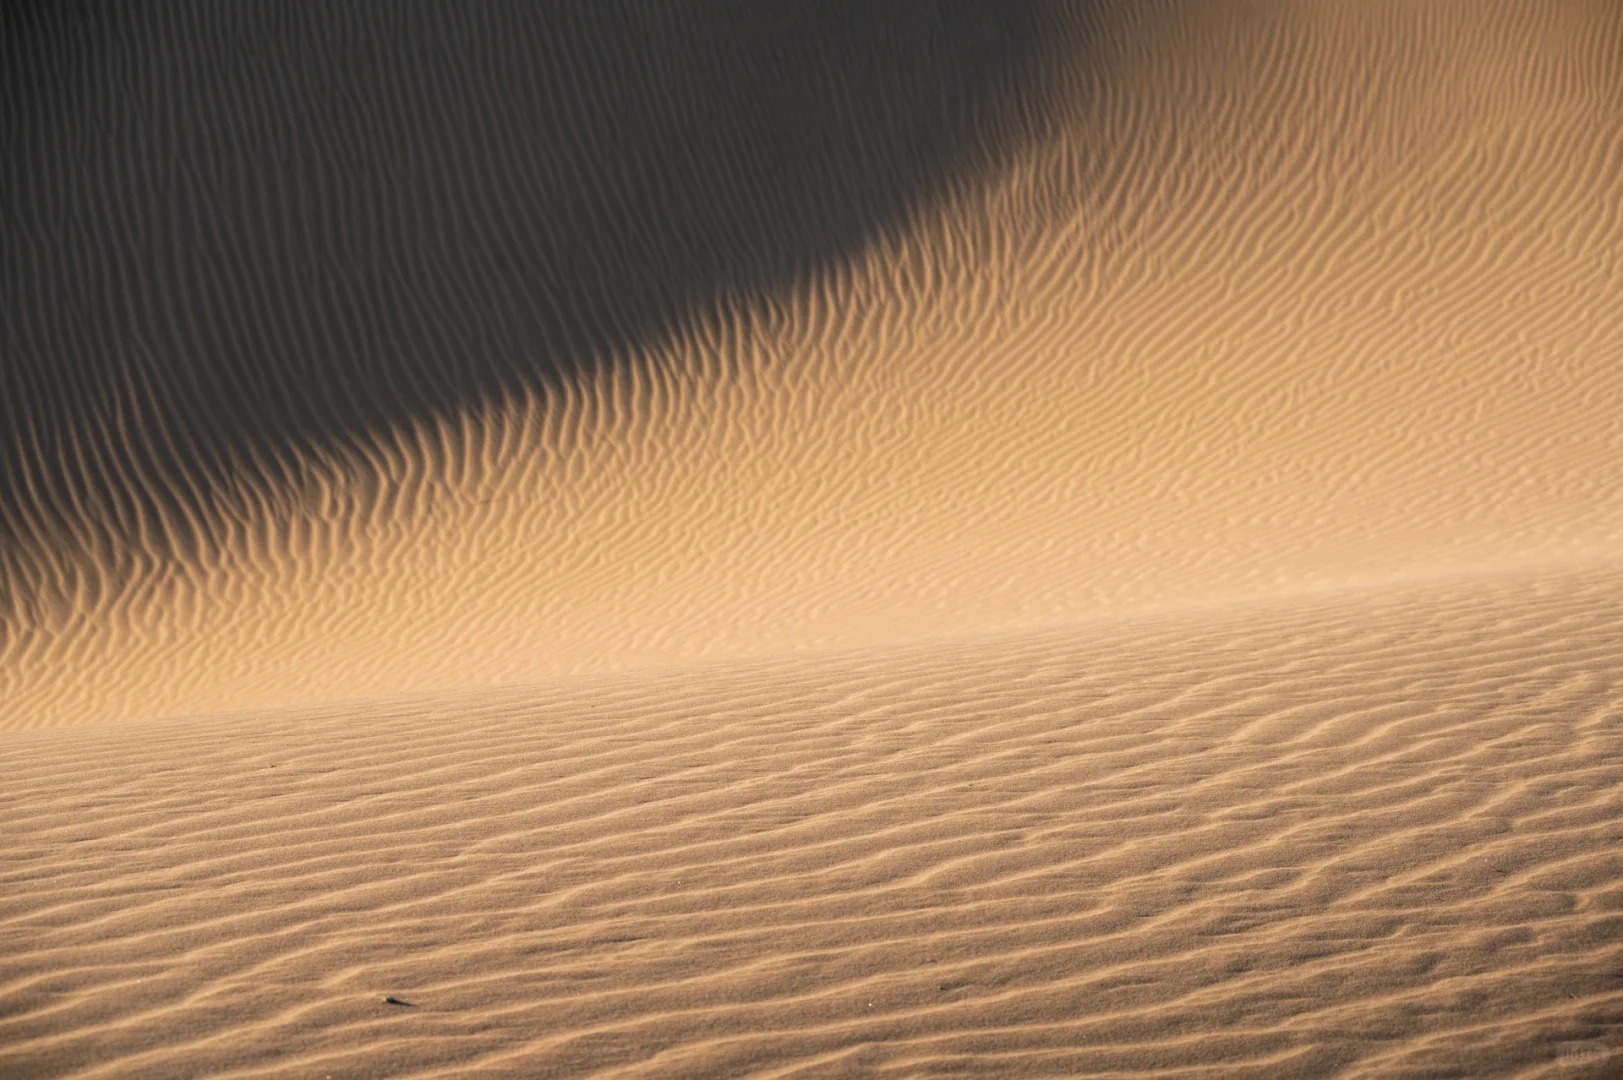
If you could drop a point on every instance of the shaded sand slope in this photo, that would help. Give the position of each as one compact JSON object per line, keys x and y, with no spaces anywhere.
{"x":1182,"y":301}
{"x":252,"y":232}
{"x":1376,"y":833}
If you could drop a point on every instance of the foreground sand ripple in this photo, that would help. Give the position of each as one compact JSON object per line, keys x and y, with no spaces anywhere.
{"x":1376,"y":833}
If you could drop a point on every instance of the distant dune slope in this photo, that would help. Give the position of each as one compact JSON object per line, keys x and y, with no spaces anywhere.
{"x":363,"y":348}
{"x":1377,"y":834}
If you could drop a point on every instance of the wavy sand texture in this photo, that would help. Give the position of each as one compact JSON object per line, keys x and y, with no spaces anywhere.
{"x":385,"y":347}
{"x":1368,"y":834}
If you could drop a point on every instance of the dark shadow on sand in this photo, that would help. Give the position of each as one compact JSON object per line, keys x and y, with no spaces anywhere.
{"x":246,"y":229}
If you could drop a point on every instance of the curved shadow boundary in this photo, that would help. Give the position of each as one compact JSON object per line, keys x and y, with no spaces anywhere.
{"x":239,"y":230}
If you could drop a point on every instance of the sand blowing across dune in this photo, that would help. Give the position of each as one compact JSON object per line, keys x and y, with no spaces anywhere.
{"x":817,"y":537}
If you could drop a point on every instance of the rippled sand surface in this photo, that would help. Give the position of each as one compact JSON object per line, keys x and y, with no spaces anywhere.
{"x":704,"y":538}
{"x":1367,"y":833}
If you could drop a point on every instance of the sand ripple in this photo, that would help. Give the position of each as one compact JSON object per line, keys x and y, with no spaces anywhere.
{"x":395,"y":359}
{"x":1376,"y":834}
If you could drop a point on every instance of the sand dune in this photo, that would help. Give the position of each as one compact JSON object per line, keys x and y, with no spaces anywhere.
{"x":1371,"y":834}
{"x":1155,"y":302}
{"x":811,"y":538}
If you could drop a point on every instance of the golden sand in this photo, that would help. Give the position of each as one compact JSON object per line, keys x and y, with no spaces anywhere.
{"x":920,"y":539}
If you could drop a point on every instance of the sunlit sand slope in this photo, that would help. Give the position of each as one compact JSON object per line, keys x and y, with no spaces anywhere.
{"x":1380,"y":833}
{"x":502,"y":370}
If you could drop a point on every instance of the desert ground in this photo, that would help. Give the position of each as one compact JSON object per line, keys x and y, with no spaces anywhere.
{"x":710,"y":538}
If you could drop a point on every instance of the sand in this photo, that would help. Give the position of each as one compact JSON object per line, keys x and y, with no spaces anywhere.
{"x":1367,"y":833}
{"x":815,"y":538}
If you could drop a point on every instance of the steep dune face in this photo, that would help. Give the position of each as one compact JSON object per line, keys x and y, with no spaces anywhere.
{"x":743,"y":335}
{"x":1365,"y":835}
